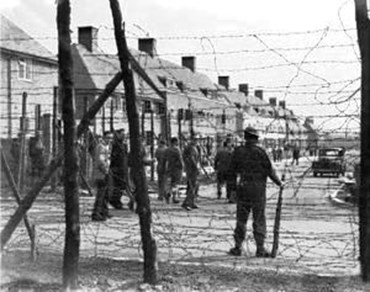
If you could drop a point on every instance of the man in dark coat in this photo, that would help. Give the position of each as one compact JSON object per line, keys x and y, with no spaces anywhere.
{"x":222,"y":163}
{"x":250,"y":166}
{"x":295,"y":154}
{"x":118,"y":168}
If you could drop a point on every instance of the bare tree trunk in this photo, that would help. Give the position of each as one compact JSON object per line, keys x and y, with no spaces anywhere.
{"x":142,"y":198}
{"x":363,"y":32}
{"x":28,"y":200}
{"x":70,"y":173}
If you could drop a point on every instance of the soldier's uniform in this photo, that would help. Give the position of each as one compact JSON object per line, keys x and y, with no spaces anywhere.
{"x":250,"y":166}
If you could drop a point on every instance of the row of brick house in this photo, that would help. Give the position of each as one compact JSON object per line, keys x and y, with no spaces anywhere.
{"x":190,"y":101}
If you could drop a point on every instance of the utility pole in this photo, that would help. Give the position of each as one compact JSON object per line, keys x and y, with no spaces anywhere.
{"x":9,"y":101}
{"x":22,"y":148}
{"x":191,"y":122}
{"x":180,"y":116}
{"x":149,"y":245}
{"x":363,"y":33}
{"x":143,"y":120}
{"x":71,"y":163}
{"x":152,"y":144}
{"x":54,"y":147}
{"x":111,"y":121}
{"x":103,"y":120}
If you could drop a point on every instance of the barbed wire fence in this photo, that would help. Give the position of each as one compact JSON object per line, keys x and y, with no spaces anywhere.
{"x":314,"y":233}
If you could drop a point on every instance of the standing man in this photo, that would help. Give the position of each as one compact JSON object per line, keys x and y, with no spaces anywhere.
{"x":174,"y":166}
{"x":191,"y":160}
{"x":101,"y":161}
{"x":296,"y":154}
{"x":222,"y":163}
{"x":118,"y":168}
{"x":279,"y":152}
{"x":250,"y":166}
{"x":161,"y":174}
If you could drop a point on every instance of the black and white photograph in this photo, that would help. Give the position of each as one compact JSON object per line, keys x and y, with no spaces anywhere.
{"x":172,"y":145}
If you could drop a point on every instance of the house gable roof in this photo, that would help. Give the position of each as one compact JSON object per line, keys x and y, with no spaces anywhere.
{"x":193,"y":81}
{"x":93,"y":70}
{"x":14,"y":39}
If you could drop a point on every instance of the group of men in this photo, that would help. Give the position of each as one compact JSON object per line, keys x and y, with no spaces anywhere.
{"x":171,"y":162}
{"x":110,"y":173}
{"x":243,"y":169}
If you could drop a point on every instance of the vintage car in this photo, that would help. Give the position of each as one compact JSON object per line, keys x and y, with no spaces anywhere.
{"x":329,"y":161}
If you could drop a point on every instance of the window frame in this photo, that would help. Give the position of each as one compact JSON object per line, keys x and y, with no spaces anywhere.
{"x":25,"y":69}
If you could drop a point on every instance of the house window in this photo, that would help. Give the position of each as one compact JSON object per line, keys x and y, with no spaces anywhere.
{"x":24,"y":69}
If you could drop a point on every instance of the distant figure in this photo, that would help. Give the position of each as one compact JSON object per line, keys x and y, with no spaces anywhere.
{"x":222,"y":163}
{"x":36,"y":152}
{"x":274,"y":154}
{"x":118,"y":168}
{"x":161,"y":169}
{"x":101,"y":162}
{"x":295,"y":155}
{"x":279,"y":154}
{"x":192,"y":158}
{"x":209,"y":146}
{"x":174,"y":166}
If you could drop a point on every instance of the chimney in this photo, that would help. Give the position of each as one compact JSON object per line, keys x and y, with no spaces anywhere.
{"x":88,"y":37}
{"x":188,"y":62}
{"x":282,"y":104}
{"x":244,"y":88}
{"x":148,"y":45}
{"x":224,"y":81}
{"x":258,"y":93}
{"x":272,"y":101}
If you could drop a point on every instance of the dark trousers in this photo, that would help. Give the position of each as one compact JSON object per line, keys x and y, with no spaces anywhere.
{"x":296,"y":160}
{"x":118,"y":186}
{"x":161,"y":184}
{"x":223,"y":178}
{"x":243,"y":209}
{"x":192,"y":189}
{"x":101,"y":198}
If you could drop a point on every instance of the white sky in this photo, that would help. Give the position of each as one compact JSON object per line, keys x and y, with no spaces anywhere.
{"x":331,"y":58}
